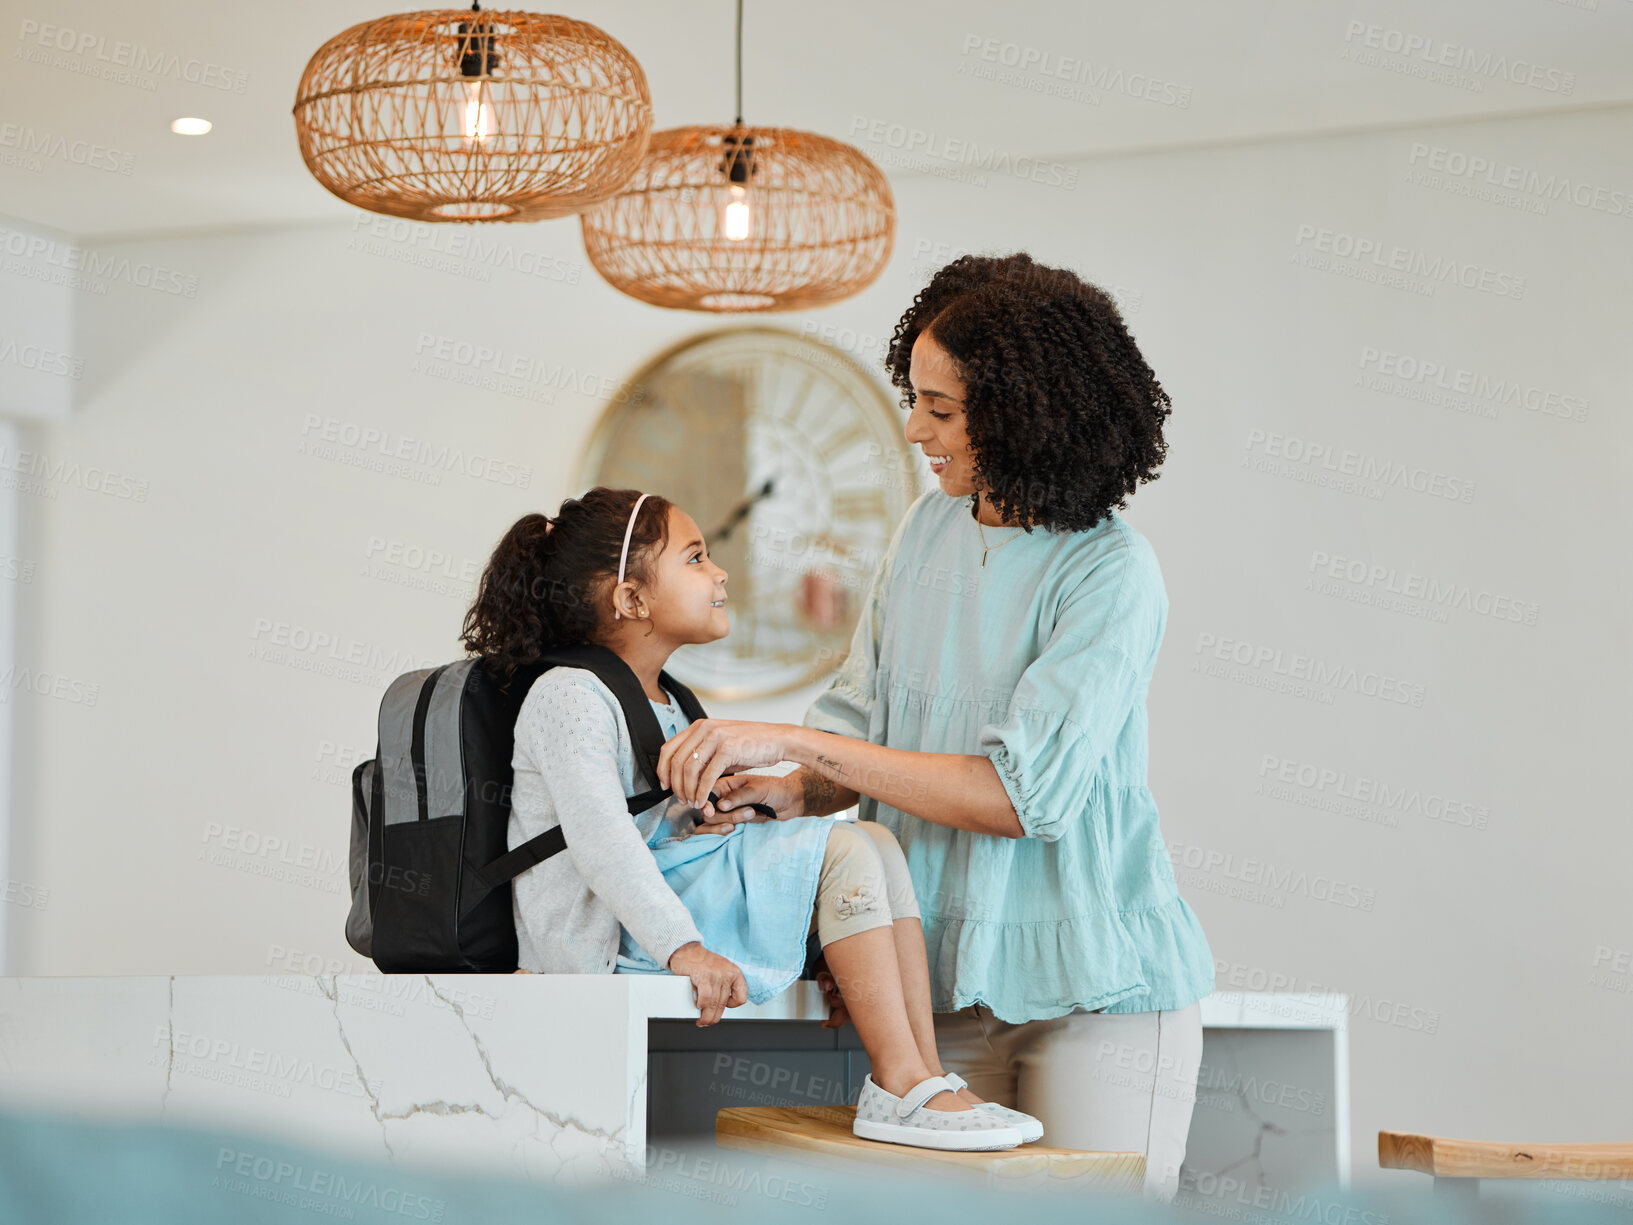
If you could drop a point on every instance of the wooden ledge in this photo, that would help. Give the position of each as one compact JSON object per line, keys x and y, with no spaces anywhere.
{"x":825,"y":1132}
{"x":1446,"y":1158}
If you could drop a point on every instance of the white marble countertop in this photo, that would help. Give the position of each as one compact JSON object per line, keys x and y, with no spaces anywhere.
{"x":542,"y":1076}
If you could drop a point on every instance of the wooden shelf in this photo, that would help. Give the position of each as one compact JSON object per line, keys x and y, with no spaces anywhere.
{"x":1446,"y":1158}
{"x":825,"y":1132}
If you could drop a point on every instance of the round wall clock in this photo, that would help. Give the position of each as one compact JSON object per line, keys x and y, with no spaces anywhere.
{"x":792,"y":461}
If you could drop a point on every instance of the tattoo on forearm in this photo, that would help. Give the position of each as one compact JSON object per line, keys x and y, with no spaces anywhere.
{"x":820,"y":793}
{"x":838,"y":767}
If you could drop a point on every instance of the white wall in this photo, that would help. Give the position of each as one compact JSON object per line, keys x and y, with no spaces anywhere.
{"x":1472,"y":952}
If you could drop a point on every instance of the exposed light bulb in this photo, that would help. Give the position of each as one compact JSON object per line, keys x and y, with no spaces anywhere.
{"x":190,"y":126}
{"x":478,"y":113}
{"x":737,"y":214}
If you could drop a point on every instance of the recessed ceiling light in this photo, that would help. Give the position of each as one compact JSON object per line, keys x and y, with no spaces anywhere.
{"x":190,"y":127}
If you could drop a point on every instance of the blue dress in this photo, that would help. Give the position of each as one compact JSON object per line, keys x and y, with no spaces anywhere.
{"x":750,"y":892}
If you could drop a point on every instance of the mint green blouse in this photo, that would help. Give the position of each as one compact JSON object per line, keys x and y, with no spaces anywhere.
{"x":1040,"y":661}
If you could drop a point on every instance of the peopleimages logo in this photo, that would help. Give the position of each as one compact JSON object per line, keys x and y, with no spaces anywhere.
{"x":1361,"y":37}
{"x":63,"y":263}
{"x":32,"y":143}
{"x":372,"y":446}
{"x":290,"y":637}
{"x":1406,"y":261}
{"x":34,"y":472}
{"x":230,"y":1061}
{"x":1293,"y":997}
{"x":516,"y":369}
{"x":1259,"y":880}
{"x":1473,"y":168}
{"x":1298,"y":667}
{"x":1440,"y":593}
{"x":317,"y":1190}
{"x":1049,"y":66}
{"x":1277,"y":454}
{"x":41,"y":359}
{"x":1417,"y":377}
{"x":1325,"y":781}
{"x":431,"y":245}
{"x":90,"y":53}
{"x":942,"y":150}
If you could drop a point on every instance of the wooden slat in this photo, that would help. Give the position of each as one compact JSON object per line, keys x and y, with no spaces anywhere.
{"x":825,"y":1132}
{"x":1446,"y":1158}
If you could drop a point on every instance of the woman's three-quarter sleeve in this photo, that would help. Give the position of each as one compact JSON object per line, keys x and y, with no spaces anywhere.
{"x":1072,"y":701}
{"x":570,"y":731}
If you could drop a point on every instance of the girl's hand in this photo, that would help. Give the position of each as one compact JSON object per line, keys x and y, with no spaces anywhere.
{"x":723,"y":827}
{"x":721,"y":745}
{"x":838,"y":1014}
{"x":717,"y":983}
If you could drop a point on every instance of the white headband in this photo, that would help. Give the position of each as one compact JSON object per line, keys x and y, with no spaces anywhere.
{"x":624,"y":556}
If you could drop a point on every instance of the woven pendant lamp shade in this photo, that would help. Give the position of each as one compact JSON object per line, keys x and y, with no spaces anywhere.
{"x":819,"y":217}
{"x":458,"y":115}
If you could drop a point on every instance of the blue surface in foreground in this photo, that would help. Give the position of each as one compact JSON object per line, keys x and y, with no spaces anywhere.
{"x":56,"y":1170}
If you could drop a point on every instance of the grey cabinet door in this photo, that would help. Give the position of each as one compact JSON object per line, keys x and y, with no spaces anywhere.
{"x":693,"y":1072}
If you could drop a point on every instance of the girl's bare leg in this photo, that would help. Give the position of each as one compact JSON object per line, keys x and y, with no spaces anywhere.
{"x":869,"y":976}
{"x":915,"y":978}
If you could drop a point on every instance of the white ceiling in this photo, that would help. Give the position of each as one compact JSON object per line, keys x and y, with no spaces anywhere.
{"x":1253,"y":69}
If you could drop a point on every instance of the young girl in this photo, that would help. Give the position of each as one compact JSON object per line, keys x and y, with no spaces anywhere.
{"x":729,"y":910}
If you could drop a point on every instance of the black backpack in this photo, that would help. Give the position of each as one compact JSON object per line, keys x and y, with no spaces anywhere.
{"x":430,"y":871}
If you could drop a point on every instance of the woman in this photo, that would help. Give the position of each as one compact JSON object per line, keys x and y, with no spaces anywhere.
{"x":995,"y":721}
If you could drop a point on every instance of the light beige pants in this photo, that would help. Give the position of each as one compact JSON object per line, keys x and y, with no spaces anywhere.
{"x":1113,"y":1082}
{"x":864,"y":882}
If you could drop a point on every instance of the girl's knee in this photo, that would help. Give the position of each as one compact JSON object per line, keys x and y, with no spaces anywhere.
{"x":879,"y":833}
{"x":846,"y":842}
{"x":853,"y":890}
{"x":898,"y":880}
{"x":882,"y":839}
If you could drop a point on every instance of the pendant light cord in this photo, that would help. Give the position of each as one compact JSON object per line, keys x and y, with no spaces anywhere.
{"x":739,"y":63}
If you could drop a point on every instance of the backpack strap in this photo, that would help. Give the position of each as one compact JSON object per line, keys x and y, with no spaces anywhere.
{"x":513,"y":863}
{"x":646,"y":736}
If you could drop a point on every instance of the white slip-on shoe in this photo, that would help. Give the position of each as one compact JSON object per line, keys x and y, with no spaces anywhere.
{"x":1030,"y":1127}
{"x":881,"y":1115}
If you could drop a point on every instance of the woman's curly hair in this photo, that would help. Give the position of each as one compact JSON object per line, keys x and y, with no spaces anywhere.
{"x":547,"y":580}
{"x":1063,"y":414}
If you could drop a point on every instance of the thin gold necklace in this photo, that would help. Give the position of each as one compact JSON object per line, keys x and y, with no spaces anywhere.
{"x":986,"y":548}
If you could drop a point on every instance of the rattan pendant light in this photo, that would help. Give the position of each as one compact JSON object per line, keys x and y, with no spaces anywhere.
{"x":473,"y":116}
{"x":738,"y":218}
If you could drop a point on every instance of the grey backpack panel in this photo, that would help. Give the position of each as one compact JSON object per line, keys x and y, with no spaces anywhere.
{"x":359,"y":924}
{"x":399,"y":797}
{"x":444,"y":758}
{"x":444,"y":763}
{"x":399,"y":794}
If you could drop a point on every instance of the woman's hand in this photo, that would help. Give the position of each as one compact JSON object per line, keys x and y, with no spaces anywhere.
{"x":737,"y":791}
{"x":717,"y":984}
{"x":744,"y":790}
{"x":721,"y":746}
